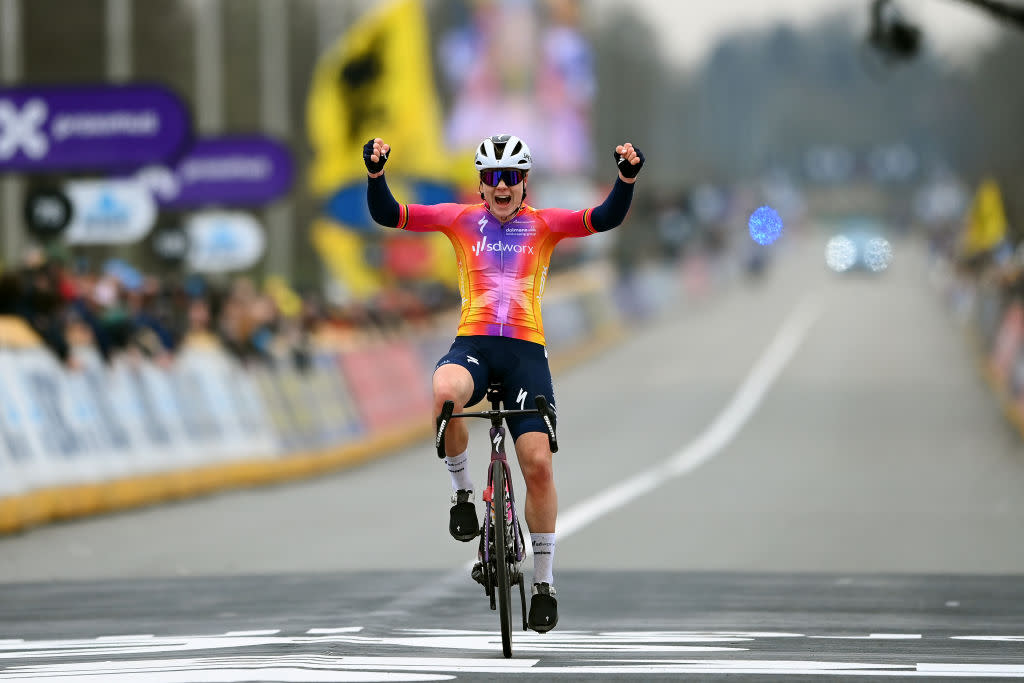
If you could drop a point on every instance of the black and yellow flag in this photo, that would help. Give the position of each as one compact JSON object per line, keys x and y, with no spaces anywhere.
{"x":376,"y":81}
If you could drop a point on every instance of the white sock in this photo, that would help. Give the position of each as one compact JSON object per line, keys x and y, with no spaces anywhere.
{"x":458,"y":468}
{"x":543,"y":557}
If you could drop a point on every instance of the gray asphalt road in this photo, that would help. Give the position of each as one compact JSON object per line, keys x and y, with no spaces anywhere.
{"x":876,"y":448}
{"x":811,"y":424}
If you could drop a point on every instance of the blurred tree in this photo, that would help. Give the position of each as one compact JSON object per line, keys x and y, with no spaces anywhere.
{"x":632,"y":82}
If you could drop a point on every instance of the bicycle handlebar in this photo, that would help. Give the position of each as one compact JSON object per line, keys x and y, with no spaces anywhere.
{"x":543,"y":409}
{"x":548,"y":416}
{"x":442,"y":424}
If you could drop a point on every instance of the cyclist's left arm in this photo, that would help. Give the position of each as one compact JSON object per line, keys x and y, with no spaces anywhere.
{"x":613,"y":210}
{"x":610,"y":213}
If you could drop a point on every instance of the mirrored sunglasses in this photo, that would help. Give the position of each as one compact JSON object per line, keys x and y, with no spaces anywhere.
{"x":511,"y":176}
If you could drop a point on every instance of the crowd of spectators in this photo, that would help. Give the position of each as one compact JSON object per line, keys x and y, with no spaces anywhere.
{"x":118,"y":309}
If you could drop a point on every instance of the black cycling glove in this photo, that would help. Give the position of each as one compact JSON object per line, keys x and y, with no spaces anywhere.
{"x":627,"y":169}
{"x":371,"y":165}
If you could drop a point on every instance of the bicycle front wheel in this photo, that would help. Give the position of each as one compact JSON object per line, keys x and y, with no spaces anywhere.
{"x":499,"y":500}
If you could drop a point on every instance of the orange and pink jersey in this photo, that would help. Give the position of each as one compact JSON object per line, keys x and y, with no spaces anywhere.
{"x":502,"y":267}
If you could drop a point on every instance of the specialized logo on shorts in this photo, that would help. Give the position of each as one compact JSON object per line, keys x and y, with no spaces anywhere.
{"x":521,"y":399}
{"x":472,"y":360}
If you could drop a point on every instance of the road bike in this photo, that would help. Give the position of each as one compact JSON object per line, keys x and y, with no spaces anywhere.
{"x":502,"y":548}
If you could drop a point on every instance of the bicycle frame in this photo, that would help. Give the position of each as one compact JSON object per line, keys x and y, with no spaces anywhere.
{"x":507,"y":573}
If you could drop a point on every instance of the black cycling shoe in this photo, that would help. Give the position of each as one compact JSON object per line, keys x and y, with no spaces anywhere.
{"x":463,"y":523}
{"x":543,"y":608}
{"x":477,"y":573}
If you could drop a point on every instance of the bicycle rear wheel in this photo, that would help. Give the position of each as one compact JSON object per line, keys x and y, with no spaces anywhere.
{"x":502,"y":574}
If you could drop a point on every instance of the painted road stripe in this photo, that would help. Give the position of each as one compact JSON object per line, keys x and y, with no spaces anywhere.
{"x":718,"y":434}
{"x":873,"y":636}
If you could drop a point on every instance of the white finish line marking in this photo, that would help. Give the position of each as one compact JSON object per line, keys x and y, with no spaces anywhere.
{"x":216,"y":659}
{"x":717,"y":435}
{"x":874,"y":636}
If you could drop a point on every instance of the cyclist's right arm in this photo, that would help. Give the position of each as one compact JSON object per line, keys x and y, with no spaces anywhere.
{"x":384,"y":209}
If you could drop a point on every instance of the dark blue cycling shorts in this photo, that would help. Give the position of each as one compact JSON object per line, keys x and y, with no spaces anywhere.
{"x":521,"y":367}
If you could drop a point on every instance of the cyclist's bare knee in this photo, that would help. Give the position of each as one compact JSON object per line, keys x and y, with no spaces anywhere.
{"x":534,"y":454}
{"x":452,"y":383}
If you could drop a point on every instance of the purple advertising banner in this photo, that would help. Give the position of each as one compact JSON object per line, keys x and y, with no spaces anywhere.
{"x":101,"y":127}
{"x":235,"y":170}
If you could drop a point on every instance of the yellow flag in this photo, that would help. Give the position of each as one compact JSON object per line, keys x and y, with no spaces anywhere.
{"x":342,"y":251}
{"x":376,"y":81}
{"x":986,"y":222}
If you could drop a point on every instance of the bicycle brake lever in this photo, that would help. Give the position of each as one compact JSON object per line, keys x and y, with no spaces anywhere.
{"x":442,"y":424}
{"x":549,"y":420}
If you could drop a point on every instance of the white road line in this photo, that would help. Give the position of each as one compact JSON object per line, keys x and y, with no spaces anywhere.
{"x":717,"y":435}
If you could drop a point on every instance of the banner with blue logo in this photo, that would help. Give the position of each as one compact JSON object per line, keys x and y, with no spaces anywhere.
{"x":109,"y":212}
{"x":221,"y":241}
{"x":99,"y":127}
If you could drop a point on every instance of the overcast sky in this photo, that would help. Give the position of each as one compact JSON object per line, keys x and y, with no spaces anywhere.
{"x":688,"y":28}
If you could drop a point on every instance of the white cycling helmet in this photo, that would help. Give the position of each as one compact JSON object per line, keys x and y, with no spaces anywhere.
{"x":503,"y":151}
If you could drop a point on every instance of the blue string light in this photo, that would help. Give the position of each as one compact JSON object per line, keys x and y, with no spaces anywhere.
{"x":765,"y":225}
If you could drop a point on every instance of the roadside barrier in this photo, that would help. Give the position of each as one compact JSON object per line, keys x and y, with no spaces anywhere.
{"x":109,"y":436}
{"x":994,"y":319}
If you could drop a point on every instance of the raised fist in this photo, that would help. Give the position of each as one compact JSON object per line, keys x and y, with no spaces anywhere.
{"x":628,"y":159}
{"x":375,"y":154}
